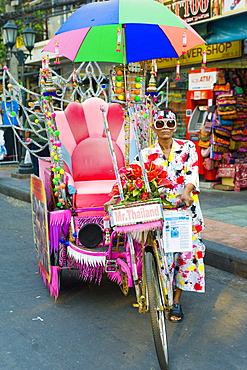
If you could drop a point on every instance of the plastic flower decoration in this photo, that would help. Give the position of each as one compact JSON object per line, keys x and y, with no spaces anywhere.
{"x":133,"y":184}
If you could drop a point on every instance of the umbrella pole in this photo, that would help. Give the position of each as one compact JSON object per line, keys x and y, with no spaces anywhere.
{"x":112,"y":152}
{"x":139,"y":152}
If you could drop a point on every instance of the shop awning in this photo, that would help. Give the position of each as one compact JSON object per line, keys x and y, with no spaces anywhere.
{"x":225,"y":29}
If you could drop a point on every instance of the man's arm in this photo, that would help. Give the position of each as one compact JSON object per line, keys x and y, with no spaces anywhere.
{"x":185,"y":196}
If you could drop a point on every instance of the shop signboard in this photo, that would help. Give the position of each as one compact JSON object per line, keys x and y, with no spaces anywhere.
{"x":193,"y":11}
{"x":190,"y":10}
{"x":224,"y":50}
{"x":40,"y":224}
{"x":227,"y":7}
{"x":233,"y":6}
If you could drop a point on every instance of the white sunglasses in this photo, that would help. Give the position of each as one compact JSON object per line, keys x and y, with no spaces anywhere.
{"x":167,"y":123}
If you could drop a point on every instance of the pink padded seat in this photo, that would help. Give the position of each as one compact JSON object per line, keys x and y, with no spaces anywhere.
{"x":86,"y":152}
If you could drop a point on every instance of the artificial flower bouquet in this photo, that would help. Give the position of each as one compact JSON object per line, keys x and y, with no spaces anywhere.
{"x":134,"y":186}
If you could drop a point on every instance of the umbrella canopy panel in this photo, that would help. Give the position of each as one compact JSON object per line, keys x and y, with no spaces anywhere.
{"x":120,"y":12}
{"x":148,"y":30}
{"x":142,"y":42}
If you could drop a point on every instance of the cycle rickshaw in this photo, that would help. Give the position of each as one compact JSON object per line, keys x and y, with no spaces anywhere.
{"x":89,"y":141}
{"x":72,"y":231}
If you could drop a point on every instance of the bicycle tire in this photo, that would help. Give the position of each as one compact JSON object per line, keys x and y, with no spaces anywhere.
{"x":157,"y":316}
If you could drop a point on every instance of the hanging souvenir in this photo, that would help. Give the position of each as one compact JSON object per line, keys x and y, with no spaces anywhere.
{"x":177,"y":71}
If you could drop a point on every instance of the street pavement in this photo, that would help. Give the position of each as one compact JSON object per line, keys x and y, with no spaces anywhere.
{"x":225,"y":216}
{"x":93,"y":326}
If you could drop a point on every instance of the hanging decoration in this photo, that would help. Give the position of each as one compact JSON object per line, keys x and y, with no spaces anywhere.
{"x":57,"y":61}
{"x":119,"y":39}
{"x":74,"y":78}
{"x":184,"y":51}
{"x":107,"y":229}
{"x":152,"y":89}
{"x":177,"y":78}
{"x":204,"y":60}
{"x":154,"y":63}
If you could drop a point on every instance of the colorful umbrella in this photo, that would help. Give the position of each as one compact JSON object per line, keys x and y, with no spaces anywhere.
{"x":123,"y":31}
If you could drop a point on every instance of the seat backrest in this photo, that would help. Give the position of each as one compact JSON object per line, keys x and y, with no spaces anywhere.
{"x":84,"y":143}
{"x":91,"y":160}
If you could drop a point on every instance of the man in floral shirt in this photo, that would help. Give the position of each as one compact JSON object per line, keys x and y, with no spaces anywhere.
{"x":177,"y":163}
{"x":179,"y":159}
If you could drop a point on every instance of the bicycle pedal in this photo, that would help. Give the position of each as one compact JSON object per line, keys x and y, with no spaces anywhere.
{"x":111,"y":266}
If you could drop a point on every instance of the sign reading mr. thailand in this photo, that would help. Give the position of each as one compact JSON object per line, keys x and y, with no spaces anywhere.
{"x":145,"y":212}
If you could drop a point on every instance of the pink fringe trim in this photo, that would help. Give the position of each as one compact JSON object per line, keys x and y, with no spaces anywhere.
{"x":139,"y":227}
{"x":116,"y":276}
{"x":54,"y":285}
{"x":91,"y":273}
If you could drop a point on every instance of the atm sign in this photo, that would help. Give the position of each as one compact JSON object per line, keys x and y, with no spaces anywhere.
{"x":202,"y":81}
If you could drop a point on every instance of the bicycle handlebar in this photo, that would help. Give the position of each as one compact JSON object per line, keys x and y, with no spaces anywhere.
{"x":179,"y":205}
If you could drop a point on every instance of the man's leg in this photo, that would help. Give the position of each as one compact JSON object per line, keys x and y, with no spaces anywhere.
{"x":176,"y":314}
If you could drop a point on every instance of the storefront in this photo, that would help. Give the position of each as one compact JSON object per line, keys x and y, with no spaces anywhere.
{"x":223,"y":25}
{"x":223,"y":83}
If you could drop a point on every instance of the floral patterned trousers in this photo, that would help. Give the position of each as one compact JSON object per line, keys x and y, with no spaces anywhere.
{"x":186,"y":270}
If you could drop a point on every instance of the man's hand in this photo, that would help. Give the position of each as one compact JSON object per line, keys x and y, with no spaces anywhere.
{"x":185,"y":196}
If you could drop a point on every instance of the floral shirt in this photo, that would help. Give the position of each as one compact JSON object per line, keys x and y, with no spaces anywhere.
{"x":182,"y":169}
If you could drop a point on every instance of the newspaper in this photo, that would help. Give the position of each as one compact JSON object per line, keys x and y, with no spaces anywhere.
{"x":177,"y":231}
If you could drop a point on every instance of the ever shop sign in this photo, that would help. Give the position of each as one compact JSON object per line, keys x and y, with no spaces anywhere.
{"x":222,"y":51}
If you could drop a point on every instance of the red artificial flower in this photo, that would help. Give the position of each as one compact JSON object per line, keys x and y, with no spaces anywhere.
{"x":114,"y":191}
{"x":163,"y":174}
{"x":152,"y":175}
{"x":131,"y":186}
{"x":165,"y":182}
{"x":180,"y":180}
{"x":153,"y":157}
{"x":139,"y":183}
{"x":123,"y":170}
{"x":144,"y":195}
{"x":148,"y":166}
{"x":136,"y":170}
{"x":160,"y":169}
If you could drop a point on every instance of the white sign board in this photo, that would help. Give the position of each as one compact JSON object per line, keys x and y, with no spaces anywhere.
{"x":202,"y":81}
{"x":177,"y":231}
{"x":143,"y":213}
